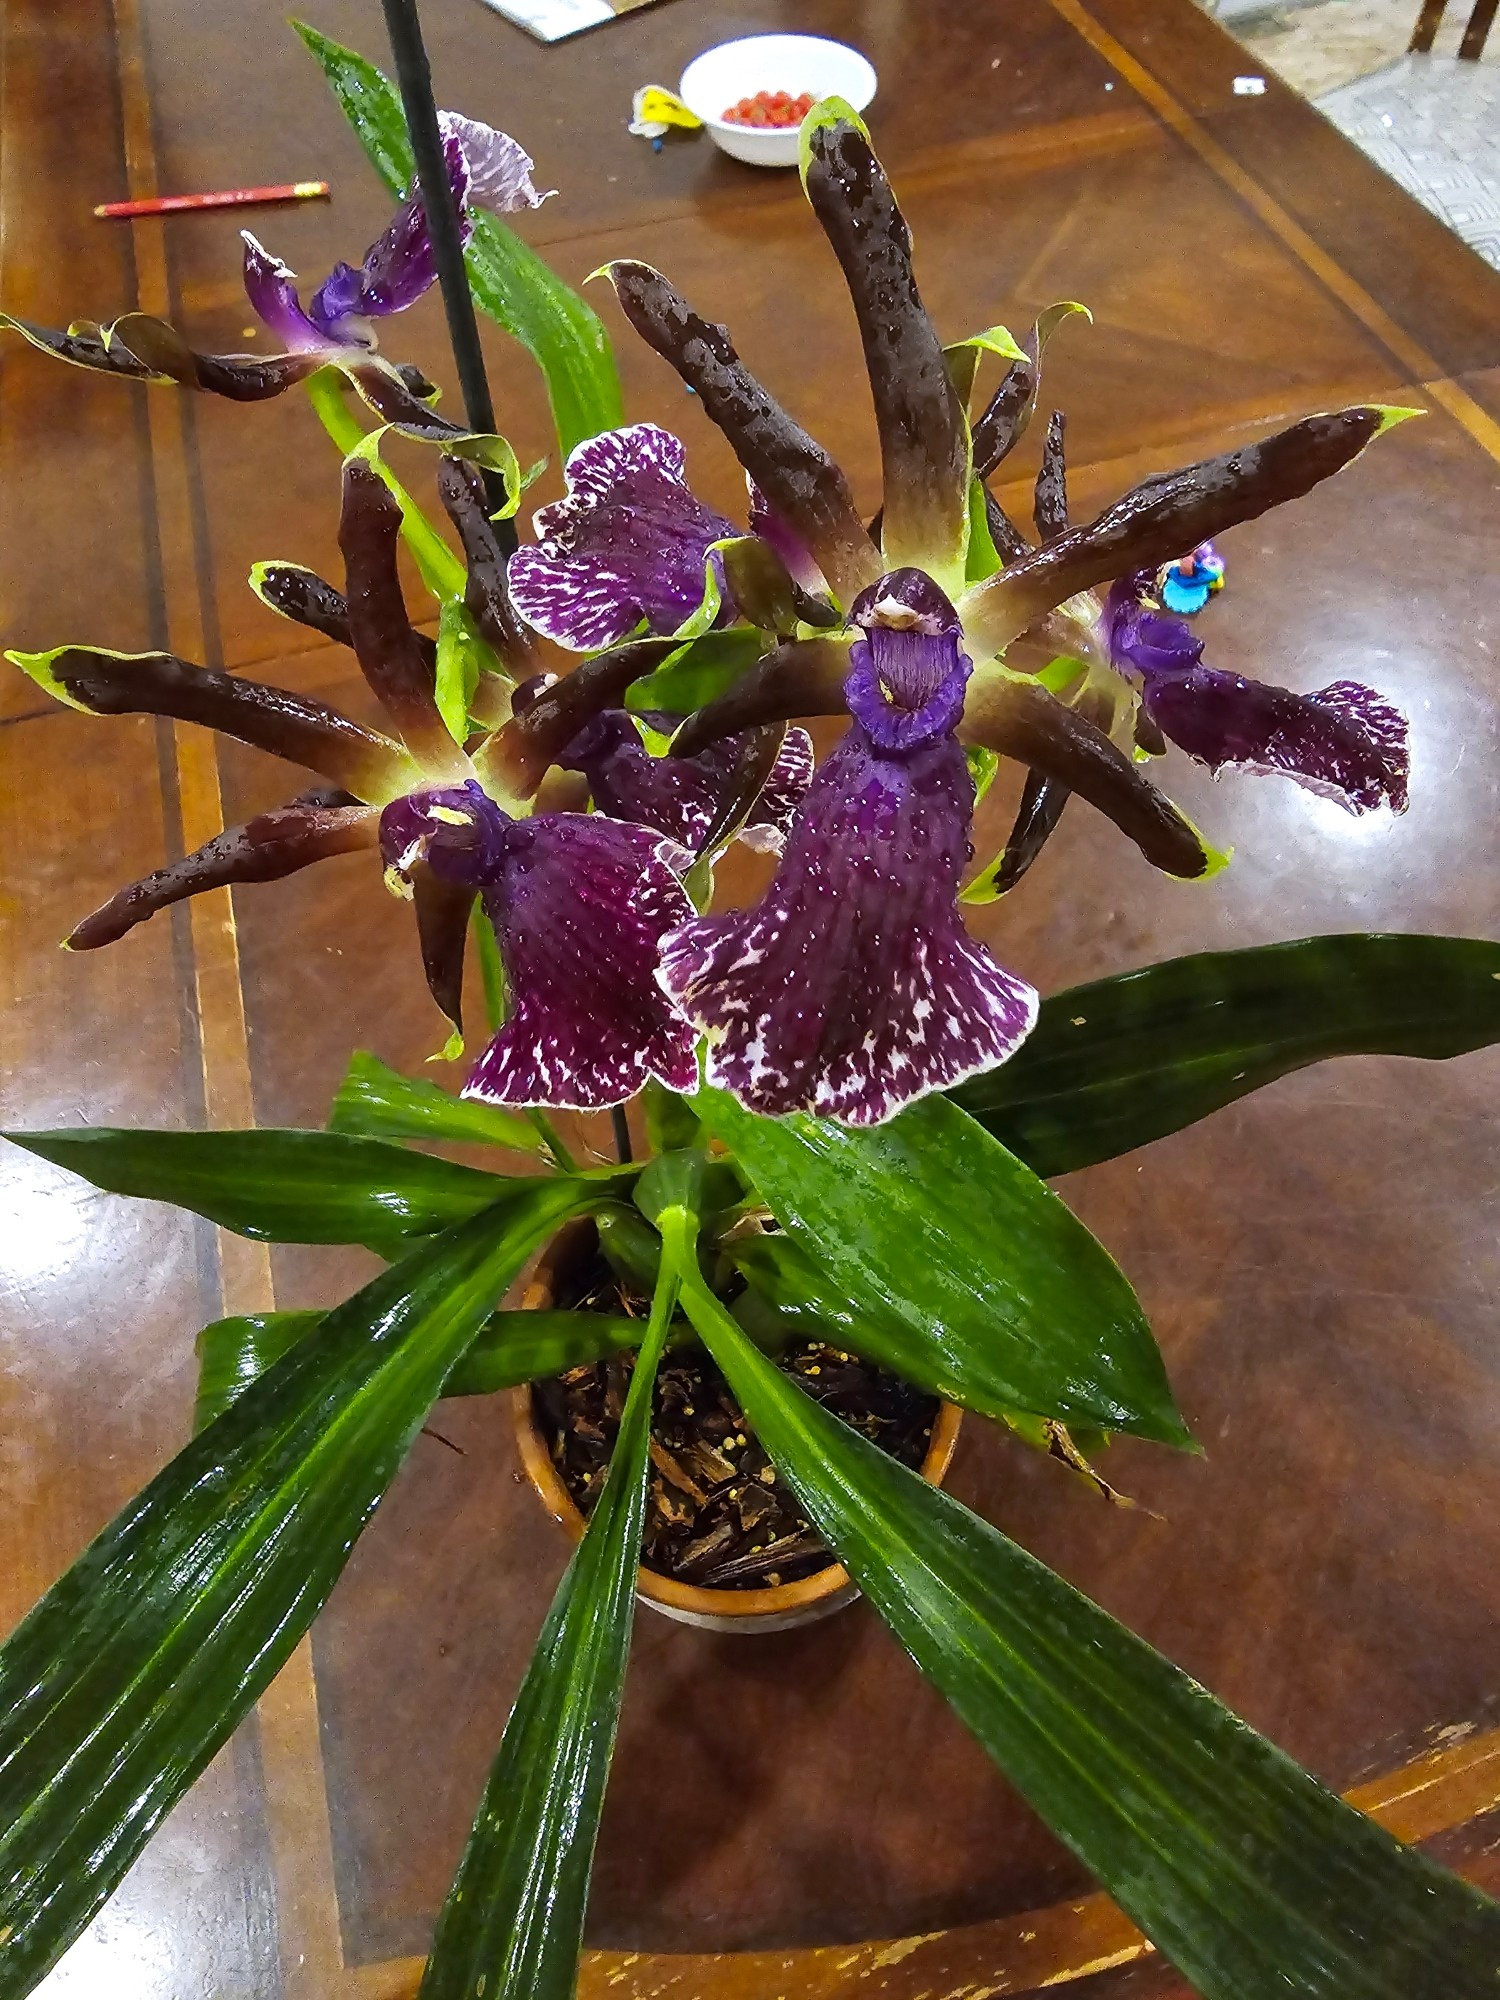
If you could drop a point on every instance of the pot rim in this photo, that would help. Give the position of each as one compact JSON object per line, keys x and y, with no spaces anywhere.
{"x":701,"y":1600}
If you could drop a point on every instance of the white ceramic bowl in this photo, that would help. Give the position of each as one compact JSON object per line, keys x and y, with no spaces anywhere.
{"x":794,"y":63}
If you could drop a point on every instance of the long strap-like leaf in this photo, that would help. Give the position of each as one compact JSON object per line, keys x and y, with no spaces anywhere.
{"x":283,"y":1186}
{"x":511,"y":1347}
{"x":1253,"y":1879}
{"x":119,"y":1687}
{"x":512,"y":1927}
{"x":1114,"y":1064}
{"x":930,"y":1223}
{"x":375,"y":1101}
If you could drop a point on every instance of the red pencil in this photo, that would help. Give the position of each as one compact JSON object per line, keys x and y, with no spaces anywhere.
{"x":170,"y":204}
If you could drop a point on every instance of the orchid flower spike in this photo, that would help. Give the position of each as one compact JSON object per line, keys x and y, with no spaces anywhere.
{"x":486,"y":169}
{"x":938,"y":518}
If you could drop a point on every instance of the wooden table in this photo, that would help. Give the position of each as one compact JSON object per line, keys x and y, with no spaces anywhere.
{"x":1320,"y":1262}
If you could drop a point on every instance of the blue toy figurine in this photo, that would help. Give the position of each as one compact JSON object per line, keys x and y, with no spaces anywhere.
{"x":1186,"y":585}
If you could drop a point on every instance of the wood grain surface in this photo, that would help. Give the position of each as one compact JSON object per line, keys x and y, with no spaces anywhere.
{"x":1319,"y":1261}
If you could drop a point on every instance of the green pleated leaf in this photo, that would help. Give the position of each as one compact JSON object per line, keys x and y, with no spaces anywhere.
{"x":563,"y":334}
{"x":558,"y":328}
{"x":132,"y":1671}
{"x":375,"y":1101}
{"x":928,"y":1224}
{"x":234,"y":1352}
{"x":791,"y":1297}
{"x":1114,"y":1064}
{"x":510,"y":1348}
{"x":282,"y":1186}
{"x":1256,"y":1882}
{"x":516,"y":1347}
{"x":512,"y":1927}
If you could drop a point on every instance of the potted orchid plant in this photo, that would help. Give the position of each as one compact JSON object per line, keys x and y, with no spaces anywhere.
{"x":849,"y":1108}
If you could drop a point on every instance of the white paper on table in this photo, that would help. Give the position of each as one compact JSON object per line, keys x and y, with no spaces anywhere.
{"x":551,"y":20}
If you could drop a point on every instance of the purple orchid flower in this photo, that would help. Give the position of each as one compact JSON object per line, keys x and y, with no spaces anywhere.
{"x":852,"y":987}
{"x":1033,"y":603}
{"x":627,"y":550}
{"x":1344,"y":741}
{"x":486,"y":169}
{"x":681,"y":796}
{"x":579,"y":903}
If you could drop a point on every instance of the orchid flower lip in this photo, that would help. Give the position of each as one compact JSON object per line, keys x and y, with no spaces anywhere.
{"x":907,"y":670}
{"x":580,"y":903}
{"x":852,"y":988}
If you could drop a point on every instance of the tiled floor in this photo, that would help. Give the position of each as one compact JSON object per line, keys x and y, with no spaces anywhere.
{"x":1318,"y":48}
{"x":1431,"y":122}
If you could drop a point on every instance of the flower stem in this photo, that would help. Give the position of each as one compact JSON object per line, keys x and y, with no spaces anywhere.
{"x":622,"y":1133}
{"x":404,"y":28}
{"x":491,"y":968}
{"x":440,"y":569}
{"x":561,"y":1157}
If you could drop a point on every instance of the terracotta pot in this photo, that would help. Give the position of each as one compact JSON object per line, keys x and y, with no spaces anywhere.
{"x":771,"y":1610}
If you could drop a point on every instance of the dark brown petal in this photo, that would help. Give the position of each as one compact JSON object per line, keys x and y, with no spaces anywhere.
{"x":83,"y":345}
{"x":1003,"y":424}
{"x":265,"y":849}
{"x":754,"y":759}
{"x":304,"y":597}
{"x":144,"y":348}
{"x":243,"y":378}
{"x":303,"y":731}
{"x":392,"y":659}
{"x":1041,"y":807}
{"x":924,"y":443}
{"x":794,"y":472}
{"x":1164,"y":515}
{"x":1010,"y":543}
{"x":309,"y":599}
{"x":1050,"y":503}
{"x":999,"y":428}
{"x":517,"y":755}
{"x":442,"y":911}
{"x":802,"y":677}
{"x":485,"y":594}
{"x":1021,"y":719}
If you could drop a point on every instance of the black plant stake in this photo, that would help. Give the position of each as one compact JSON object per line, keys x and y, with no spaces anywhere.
{"x":404,"y":28}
